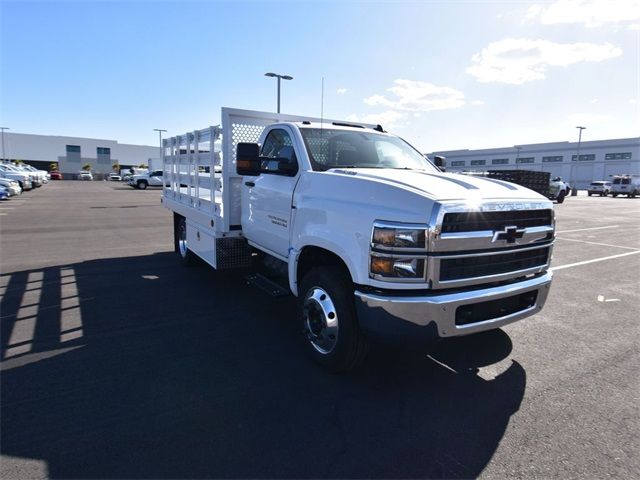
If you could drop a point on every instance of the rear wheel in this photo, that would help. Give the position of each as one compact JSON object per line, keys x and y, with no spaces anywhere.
{"x":589,"y":193}
{"x":561,"y":196}
{"x":614,"y":195}
{"x":187,"y":257}
{"x":329,"y":322}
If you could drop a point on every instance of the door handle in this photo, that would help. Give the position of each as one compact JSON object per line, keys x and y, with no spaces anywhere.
{"x":250,"y":184}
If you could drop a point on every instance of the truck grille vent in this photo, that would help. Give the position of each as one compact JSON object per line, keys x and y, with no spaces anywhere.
{"x":480,"y":312}
{"x":480,"y":266}
{"x":456,"y":222}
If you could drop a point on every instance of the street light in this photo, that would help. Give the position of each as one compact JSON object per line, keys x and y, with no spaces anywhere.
{"x":3,"y":129}
{"x":159,"y":130}
{"x":574,"y":190}
{"x":283,"y":77}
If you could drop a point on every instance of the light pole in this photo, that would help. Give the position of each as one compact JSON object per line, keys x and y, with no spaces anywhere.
{"x":159,"y":130}
{"x":283,"y":77}
{"x":3,"y":129}
{"x":574,"y":190}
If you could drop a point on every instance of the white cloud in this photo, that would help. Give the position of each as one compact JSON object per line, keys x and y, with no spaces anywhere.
{"x":521,"y":60}
{"x":415,"y":96}
{"x":634,"y":26}
{"x":477,"y":102}
{"x":341,"y":91}
{"x":591,"y":13}
{"x":593,"y":100}
{"x":633,"y":101}
{"x":388,"y":119}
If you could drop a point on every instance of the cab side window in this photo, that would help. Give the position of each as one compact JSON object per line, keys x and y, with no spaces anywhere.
{"x":277,"y":147}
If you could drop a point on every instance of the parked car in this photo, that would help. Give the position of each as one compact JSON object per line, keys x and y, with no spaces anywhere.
{"x":85,"y":175}
{"x":56,"y":175}
{"x":23,"y":178}
{"x":114,"y":177}
{"x":628,"y":185}
{"x":152,"y":179}
{"x":12,"y":186}
{"x":43,"y":175}
{"x":599,"y":187}
{"x":4,"y":194}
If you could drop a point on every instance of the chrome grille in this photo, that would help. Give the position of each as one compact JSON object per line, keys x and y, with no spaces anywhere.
{"x":474,"y":247}
{"x":456,"y":222}
{"x":484,"y":265}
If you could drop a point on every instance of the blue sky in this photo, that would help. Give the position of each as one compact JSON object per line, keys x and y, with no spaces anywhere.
{"x":444,"y":75}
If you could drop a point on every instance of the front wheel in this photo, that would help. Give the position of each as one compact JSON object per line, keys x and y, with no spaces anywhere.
{"x":329,"y":321}
{"x":142,"y":185}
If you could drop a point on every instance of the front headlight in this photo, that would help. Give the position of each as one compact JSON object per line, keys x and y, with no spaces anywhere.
{"x":398,"y":237}
{"x":398,"y":252}
{"x":397,"y":268}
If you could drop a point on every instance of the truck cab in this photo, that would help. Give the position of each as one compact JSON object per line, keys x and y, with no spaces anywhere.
{"x":371,"y":237}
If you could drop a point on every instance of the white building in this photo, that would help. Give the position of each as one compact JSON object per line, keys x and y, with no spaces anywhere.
{"x":599,"y":159}
{"x":71,"y":153}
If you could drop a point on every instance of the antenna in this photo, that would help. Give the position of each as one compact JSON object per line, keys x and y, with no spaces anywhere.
{"x":321,"y":105}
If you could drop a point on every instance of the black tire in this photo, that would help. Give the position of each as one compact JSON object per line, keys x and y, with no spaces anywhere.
{"x":142,"y":185}
{"x":187,"y":257}
{"x":614,"y":195}
{"x":589,"y":193}
{"x":561,"y":196}
{"x":341,"y":347}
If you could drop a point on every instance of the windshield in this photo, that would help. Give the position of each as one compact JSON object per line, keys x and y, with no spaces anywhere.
{"x":330,"y":148}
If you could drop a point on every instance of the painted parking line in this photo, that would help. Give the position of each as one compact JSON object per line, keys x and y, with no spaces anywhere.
{"x":596,"y":243}
{"x":601,"y":259}
{"x":585,"y":229}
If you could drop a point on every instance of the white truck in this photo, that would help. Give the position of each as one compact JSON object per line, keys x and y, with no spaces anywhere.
{"x":628,"y":185}
{"x":373,"y":239}
{"x":148,"y":179}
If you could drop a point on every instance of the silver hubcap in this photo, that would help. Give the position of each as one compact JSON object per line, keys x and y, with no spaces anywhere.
{"x":182,"y":239}
{"x":320,"y":320}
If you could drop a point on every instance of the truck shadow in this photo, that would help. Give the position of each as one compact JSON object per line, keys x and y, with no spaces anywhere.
{"x":137,"y":367}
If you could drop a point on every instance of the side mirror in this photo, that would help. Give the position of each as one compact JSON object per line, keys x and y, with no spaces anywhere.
{"x":440,"y":162}
{"x":287,"y":168}
{"x":248,"y":159}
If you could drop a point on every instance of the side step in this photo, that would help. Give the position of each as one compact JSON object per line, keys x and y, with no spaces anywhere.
{"x":267,"y":285}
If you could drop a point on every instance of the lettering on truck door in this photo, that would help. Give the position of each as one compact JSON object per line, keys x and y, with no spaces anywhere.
{"x":266,"y":200}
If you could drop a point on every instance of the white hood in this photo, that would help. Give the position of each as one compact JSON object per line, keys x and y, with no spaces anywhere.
{"x":442,"y":186}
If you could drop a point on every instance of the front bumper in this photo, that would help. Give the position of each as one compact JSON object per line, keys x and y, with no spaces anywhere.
{"x":431,"y":316}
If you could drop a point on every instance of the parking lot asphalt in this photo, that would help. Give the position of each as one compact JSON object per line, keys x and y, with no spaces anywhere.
{"x":119,"y":362}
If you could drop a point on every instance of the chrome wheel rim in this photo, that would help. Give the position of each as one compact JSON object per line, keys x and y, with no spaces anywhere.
{"x":320,"y":320}
{"x":182,"y":239}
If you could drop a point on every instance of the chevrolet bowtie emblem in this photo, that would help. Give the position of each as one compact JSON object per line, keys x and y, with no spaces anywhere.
{"x":510,"y":234}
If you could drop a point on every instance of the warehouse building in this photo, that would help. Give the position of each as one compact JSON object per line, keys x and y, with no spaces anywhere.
{"x":599,"y":159}
{"x":72,"y":153}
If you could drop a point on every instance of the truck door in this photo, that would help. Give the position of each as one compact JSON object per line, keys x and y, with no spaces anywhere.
{"x":266,"y":199}
{"x":155,"y":178}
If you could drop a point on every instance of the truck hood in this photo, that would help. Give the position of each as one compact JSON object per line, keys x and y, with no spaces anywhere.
{"x":442,"y":186}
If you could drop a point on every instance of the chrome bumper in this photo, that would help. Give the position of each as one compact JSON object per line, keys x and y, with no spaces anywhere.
{"x":382,"y":314}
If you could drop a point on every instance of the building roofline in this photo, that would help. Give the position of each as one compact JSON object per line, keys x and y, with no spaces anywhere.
{"x":81,"y":138}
